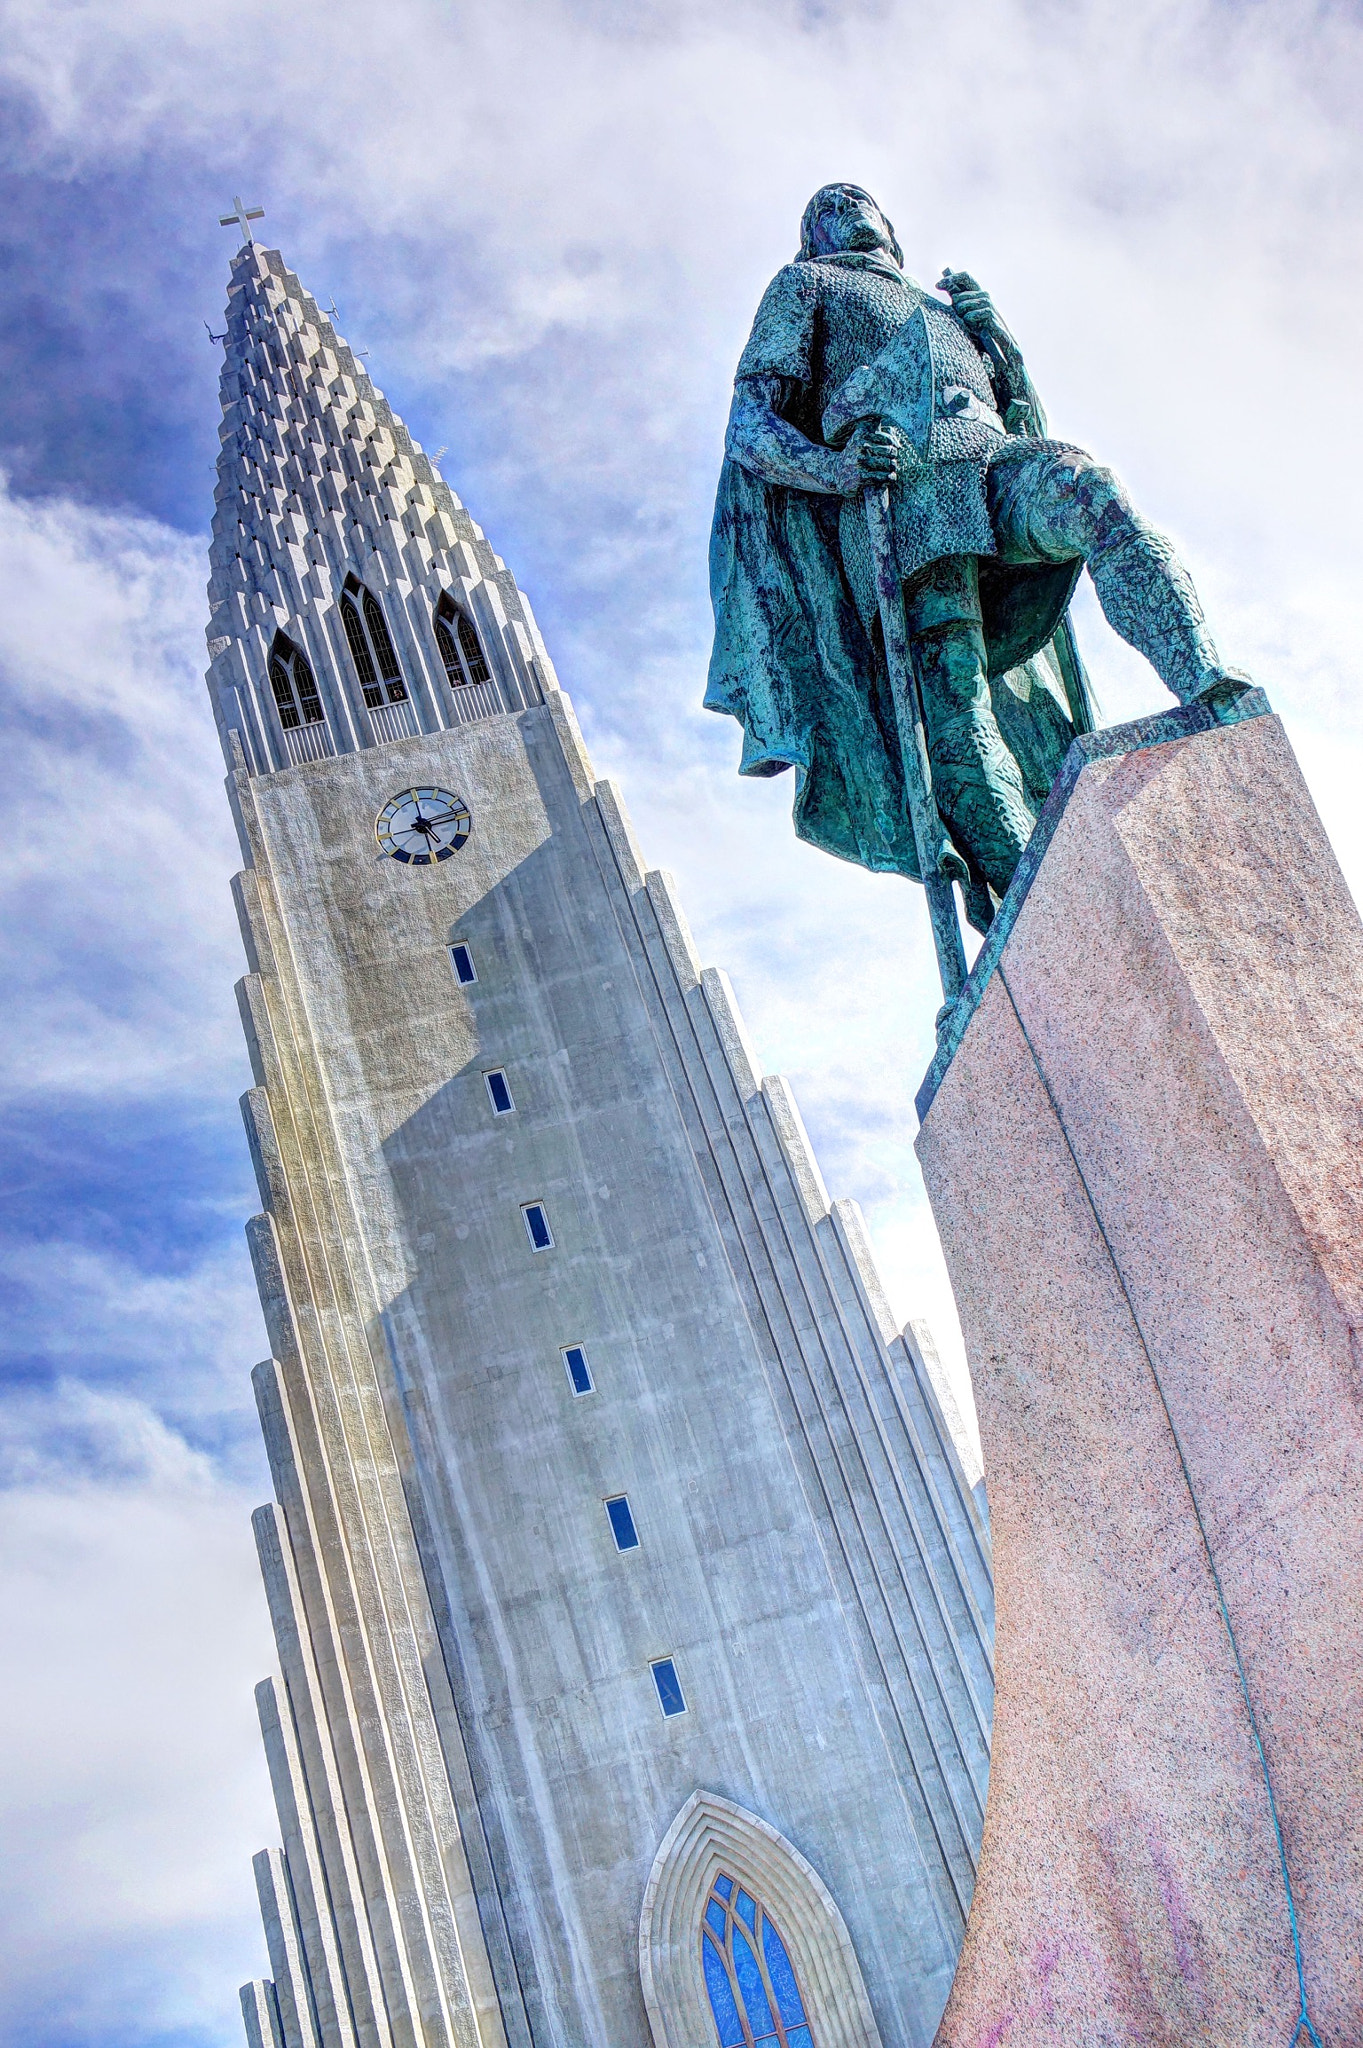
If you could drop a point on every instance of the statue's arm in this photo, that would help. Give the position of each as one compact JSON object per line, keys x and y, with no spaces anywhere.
{"x":776,"y":451}
{"x":774,"y":368}
{"x":1017,"y":395}
{"x":1018,"y":400}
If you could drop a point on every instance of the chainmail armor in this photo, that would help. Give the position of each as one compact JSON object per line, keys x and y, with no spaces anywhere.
{"x":820,"y":321}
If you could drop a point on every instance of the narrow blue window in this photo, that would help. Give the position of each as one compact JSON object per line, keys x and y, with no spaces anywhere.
{"x":754,"y":1996}
{"x":575,"y":1365}
{"x":537,"y":1226}
{"x":622,"y":1526}
{"x":669,"y":1688}
{"x":462,"y":962}
{"x":782,"y":1977}
{"x":722,"y":2003}
{"x":753,"y":1990}
{"x":499,"y":1091}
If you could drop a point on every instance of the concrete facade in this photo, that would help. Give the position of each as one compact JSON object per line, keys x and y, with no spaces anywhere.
{"x":492,"y":1832}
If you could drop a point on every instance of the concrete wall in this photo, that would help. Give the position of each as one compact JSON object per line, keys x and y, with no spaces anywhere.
{"x":808,"y":1552}
{"x":471,"y":1767}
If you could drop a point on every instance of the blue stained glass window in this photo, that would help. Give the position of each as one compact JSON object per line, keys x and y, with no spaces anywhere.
{"x":722,"y":1998}
{"x":622,"y":1523}
{"x":751,"y":1986}
{"x":537,"y":1226}
{"x":670,"y":1696}
{"x":749,"y":1974}
{"x":782,"y":1977}
{"x":579,"y":1373}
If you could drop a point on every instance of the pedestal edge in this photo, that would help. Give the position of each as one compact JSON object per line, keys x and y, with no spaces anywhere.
{"x":1158,"y":730}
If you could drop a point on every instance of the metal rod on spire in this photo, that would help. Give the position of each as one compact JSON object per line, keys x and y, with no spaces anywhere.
{"x":242,"y":218}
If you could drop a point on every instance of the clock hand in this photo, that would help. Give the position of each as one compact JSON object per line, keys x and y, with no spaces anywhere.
{"x":425,"y":828}
{"x":424,"y":824}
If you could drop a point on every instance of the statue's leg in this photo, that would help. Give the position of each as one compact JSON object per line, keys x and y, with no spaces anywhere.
{"x":977,"y":782}
{"x":1050,"y":503}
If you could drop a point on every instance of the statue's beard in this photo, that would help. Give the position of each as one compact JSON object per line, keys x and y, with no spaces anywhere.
{"x":876,"y":258}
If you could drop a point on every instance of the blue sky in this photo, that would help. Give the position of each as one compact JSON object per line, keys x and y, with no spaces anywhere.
{"x":549,"y":225}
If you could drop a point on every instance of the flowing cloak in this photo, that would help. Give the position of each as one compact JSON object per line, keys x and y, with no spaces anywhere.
{"x":794,"y":661}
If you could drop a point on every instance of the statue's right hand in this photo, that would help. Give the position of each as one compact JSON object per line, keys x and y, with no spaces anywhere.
{"x":874,"y":457}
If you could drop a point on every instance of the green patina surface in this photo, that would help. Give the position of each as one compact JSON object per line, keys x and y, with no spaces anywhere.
{"x":856,"y":379}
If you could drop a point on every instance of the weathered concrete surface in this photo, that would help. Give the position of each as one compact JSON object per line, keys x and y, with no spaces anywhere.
{"x":473,"y":1773}
{"x":1146,"y":1163}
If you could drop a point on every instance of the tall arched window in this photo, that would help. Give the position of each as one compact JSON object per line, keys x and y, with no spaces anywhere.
{"x":294,"y":686}
{"x":741,"y":1943}
{"x":383,"y":647}
{"x":360,"y":654}
{"x":754,"y":1997}
{"x":371,"y":647}
{"x":460,"y":648}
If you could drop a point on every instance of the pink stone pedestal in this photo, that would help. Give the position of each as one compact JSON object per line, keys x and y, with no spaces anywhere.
{"x":1145,"y":1158}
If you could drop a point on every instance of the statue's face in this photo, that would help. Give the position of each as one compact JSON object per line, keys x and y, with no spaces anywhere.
{"x":849,"y":219}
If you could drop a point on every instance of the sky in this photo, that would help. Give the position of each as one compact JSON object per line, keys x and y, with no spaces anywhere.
{"x":549,"y":224}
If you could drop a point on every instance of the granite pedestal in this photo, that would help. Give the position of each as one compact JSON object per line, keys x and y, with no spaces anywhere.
{"x":1143,"y":1143}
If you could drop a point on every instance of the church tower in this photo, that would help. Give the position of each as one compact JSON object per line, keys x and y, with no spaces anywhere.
{"x":632,"y":1603}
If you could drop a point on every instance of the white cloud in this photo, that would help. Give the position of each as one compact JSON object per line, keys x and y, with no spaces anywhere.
{"x":133,"y":1790}
{"x":64,"y":1436}
{"x":119,"y":946}
{"x":183,"y":1339}
{"x":132,"y":1784}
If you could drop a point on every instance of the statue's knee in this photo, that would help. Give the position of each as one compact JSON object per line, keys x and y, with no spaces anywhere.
{"x":1103,"y":491}
{"x":1105,"y":505}
{"x":1085,"y":507}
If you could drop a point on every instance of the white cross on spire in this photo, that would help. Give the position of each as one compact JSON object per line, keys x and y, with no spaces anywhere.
{"x":243,"y":216}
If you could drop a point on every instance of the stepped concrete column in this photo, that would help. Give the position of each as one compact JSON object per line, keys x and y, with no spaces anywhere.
{"x":1143,"y":1144}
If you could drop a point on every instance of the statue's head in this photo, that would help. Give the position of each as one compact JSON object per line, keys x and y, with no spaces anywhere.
{"x":843,"y":217}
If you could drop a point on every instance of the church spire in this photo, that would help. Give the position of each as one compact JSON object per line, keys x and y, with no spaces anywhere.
{"x":354,"y":601}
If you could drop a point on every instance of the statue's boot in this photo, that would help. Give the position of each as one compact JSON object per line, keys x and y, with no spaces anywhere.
{"x":1148,"y":598}
{"x":976,"y":781}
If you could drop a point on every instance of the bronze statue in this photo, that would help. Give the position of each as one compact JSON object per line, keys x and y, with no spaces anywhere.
{"x":864,"y":404}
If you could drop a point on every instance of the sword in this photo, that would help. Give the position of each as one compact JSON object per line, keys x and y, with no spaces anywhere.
{"x":936,"y":856}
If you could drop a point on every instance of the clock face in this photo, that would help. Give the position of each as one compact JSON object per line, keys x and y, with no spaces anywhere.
{"x":422,"y":826}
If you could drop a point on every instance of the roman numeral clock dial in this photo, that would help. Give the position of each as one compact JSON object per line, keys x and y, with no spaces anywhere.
{"x":422,"y":826}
